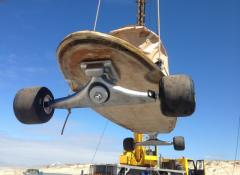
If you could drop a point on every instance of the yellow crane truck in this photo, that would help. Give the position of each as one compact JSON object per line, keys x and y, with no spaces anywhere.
{"x":146,"y":156}
{"x":144,"y":160}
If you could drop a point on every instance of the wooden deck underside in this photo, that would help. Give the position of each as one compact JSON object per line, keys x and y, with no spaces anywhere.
{"x":136,"y":72}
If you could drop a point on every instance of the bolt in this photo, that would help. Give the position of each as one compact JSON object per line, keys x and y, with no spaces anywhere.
{"x":98,"y":96}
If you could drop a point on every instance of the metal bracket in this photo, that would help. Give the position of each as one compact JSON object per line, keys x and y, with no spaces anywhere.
{"x":101,"y":90}
{"x":154,"y":142}
{"x":100,"y":68}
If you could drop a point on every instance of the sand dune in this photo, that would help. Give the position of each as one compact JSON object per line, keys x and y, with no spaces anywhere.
{"x":222,"y":167}
{"x":212,"y":168}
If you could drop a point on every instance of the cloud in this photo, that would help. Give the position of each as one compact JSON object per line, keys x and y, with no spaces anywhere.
{"x":34,"y":70}
{"x":12,"y":68}
{"x":21,"y":152}
{"x":214,"y":157}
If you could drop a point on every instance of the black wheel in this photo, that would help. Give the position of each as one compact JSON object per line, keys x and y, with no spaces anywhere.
{"x":128,"y":144}
{"x":31,"y":105}
{"x":177,"y":95}
{"x":179,"y":143}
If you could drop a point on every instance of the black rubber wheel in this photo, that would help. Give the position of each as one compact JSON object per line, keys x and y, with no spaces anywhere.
{"x":31,"y":105}
{"x":128,"y":144}
{"x":177,"y":95}
{"x":179,"y":143}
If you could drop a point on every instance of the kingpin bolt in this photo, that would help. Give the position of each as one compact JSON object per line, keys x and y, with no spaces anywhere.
{"x":98,"y":94}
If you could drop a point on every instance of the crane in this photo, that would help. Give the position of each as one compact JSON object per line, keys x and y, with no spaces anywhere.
{"x":139,"y":156}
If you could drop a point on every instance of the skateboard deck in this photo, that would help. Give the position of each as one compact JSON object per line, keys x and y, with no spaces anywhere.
{"x":133,"y":58}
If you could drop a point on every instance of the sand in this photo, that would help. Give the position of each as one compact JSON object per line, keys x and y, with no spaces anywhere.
{"x":212,"y":168}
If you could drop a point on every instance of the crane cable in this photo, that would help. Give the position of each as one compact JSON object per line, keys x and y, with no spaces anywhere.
{"x":97,"y":14}
{"x":236,"y":151}
{"x":159,"y":34}
{"x":99,"y":141}
{"x":158,"y":26}
{"x":158,"y":13}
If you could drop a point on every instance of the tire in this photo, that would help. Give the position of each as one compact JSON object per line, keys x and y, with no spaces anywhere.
{"x":177,"y":95}
{"x":29,"y":104}
{"x":179,"y":143}
{"x":128,"y":144}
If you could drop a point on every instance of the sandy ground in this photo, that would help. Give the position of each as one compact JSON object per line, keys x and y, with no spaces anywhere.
{"x":212,"y":168}
{"x":222,"y":168}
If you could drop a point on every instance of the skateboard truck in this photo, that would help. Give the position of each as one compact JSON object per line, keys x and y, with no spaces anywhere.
{"x":176,"y":93}
{"x":153,"y":141}
{"x":130,"y":144}
{"x":101,"y":90}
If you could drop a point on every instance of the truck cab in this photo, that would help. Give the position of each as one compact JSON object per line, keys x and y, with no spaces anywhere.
{"x":196,"y":167}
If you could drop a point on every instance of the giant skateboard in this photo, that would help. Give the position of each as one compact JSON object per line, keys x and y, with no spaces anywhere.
{"x":119,"y":76}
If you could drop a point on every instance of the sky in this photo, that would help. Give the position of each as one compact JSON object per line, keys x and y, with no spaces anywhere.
{"x":201,"y":38}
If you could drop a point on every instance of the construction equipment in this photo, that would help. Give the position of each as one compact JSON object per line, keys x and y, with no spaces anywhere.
{"x":190,"y":166}
{"x":181,"y":166}
{"x":136,"y":154}
{"x":196,"y":167}
{"x":116,"y":169}
{"x":139,"y":152}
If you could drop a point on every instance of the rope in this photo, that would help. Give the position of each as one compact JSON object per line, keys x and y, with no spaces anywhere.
{"x":97,"y":14}
{"x":99,"y":141}
{"x":159,"y":34}
{"x":149,"y":9}
{"x":65,"y":122}
{"x":236,"y":151}
{"x":158,"y":26}
{"x":158,"y":10}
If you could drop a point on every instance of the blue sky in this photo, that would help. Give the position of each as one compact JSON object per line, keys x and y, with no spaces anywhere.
{"x":201,"y":38}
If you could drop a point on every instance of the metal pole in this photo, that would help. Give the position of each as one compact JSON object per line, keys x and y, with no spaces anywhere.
{"x":236,"y":152}
{"x":141,"y":12}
